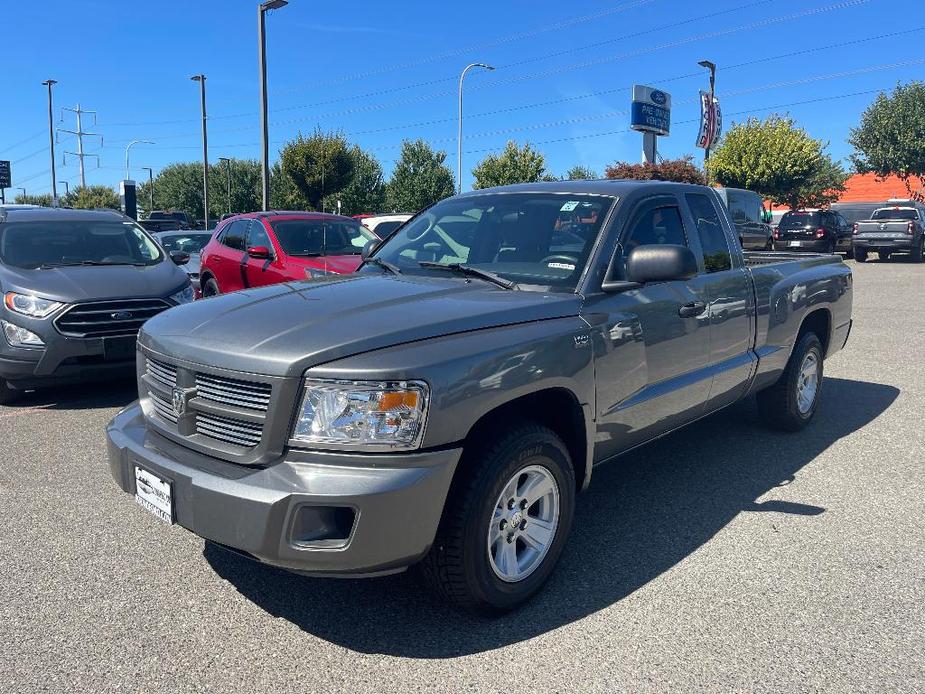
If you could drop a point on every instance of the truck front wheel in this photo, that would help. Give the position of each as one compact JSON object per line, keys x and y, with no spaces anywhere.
{"x":506,"y":522}
{"x":791,"y":402}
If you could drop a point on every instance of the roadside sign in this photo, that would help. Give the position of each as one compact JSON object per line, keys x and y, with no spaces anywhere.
{"x":711,"y":121}
{"x":651,"y":110}
{"x":6,"y":178}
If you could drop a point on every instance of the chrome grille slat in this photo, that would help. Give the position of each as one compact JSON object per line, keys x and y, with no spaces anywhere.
{"x":255,"y":396}
{"x":163,"y":373}
{"x":163,"y":408}
{"x":229,"y":430}
{"x":97,"y":318}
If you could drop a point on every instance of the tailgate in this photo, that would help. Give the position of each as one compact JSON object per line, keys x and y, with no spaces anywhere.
{"x":886,"y":229}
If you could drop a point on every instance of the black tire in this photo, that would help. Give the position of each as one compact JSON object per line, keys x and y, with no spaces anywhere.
{"x":7,"y":394}
{"x":849,"y":253}
{"x":458,"y":566}
{"x":860,"y":256}
{"x":778,"y":403}
{"x":918,"y":252}
{"x":884,"y":255}
{"x":210,"y":288}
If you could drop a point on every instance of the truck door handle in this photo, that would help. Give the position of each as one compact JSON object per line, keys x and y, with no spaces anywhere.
{"x":691,"y":309}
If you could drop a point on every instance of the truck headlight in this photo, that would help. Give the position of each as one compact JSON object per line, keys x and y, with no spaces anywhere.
{"x":20,"y":337}
{"x":184,"y":296}
{"x":32,"y":306}
{"x":363,"y":414}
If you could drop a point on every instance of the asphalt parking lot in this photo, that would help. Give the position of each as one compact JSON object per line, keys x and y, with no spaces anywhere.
{"x":724,"y":557}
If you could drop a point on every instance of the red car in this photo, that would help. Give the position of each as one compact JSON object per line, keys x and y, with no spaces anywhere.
{"x":258,"y":248}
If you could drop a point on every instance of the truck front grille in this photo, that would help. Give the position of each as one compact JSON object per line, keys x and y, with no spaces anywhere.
{"x":209,"y":407}
{"x":108,"y":318}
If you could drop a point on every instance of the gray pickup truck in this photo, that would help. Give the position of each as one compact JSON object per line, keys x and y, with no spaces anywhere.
{"x":898,"y":228}
{"x":443,"y":406}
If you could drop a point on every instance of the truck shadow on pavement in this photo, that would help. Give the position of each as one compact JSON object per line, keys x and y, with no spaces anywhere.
{"x":115,"y":392}
{"x":642,"y":515}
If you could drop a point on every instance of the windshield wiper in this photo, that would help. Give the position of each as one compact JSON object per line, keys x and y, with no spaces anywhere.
{"x":384,"y":264}
{"x":469,"y":270}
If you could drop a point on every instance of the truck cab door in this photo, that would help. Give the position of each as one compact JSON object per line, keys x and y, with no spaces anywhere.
{"x":652,"y":350}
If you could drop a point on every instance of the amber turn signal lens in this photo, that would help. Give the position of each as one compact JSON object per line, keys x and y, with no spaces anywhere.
{"x":393,"y":401}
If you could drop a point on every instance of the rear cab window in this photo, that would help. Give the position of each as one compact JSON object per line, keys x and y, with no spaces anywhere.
{"x":906,"y":213}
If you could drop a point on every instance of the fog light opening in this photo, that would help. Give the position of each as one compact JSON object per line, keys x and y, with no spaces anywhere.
{"x":322,"y":526}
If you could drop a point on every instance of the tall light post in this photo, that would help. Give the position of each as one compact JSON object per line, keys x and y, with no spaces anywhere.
{"x":67,"y":188}
{"x":23,"y":191}
{"x":150,"y":187}
{"x":712,"y":68}
{"x":459,"y":134}
{"x":51,"y":143}
{"x":205,"y":149}
{"x":128,"y":173}
{"x":228,"y":172}
{"x":262,"y":9}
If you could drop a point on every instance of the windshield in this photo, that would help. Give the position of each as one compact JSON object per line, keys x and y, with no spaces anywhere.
{"x":36,"y":244}
{"x":897,"y":213}
{"x":321,"y":236}
{"x":793,"y":220}
{"x":186,"y":243}
{"x":541,"y":239}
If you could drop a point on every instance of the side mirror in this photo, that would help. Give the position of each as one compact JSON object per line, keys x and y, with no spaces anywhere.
{"x":369,"y":248}
{"x":179,"y":257}
{"x":259,"y":252}
{"x":660,"y":263}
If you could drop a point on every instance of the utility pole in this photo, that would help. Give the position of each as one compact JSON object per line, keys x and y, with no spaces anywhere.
{"x":51,"y":142}
{"x":262,"y":9}
{"x":80,"y":133}
{"x":150,"y":187}
{"x":205,"y":150}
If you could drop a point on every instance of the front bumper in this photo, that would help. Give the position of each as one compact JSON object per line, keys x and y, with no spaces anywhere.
{"x":397,"y":499}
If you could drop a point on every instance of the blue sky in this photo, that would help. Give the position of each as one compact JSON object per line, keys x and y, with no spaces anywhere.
{"x":385,"y":71}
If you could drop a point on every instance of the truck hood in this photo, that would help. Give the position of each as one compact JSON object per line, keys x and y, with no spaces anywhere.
{"x":284,"y":329}
{"x":95,"y":282}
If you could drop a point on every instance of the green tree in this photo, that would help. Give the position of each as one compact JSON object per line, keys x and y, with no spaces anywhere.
{"x":366,"y":190}
{"x":681,"y":170}
{"x":246,"y":192}
{"x":891,"y":137}
{"x":43,"y":200}
{"x":283,"y":192}
{"x":513,"y":165}
{"x":319,"y":165}
{"x":580,"y":173}
{"x":420,"y":178}
{"x":92,"y":197}
{"x":179,"y":187}
{"x":778,"y":160}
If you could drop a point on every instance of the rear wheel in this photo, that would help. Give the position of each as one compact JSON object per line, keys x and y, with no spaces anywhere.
{"x":791,"y":402}
{"x":919,"y":251}
{"x":884,"y":255}
{"x":860,"y":255}
{"x":505,"y":523}
{"x":210,"y":288}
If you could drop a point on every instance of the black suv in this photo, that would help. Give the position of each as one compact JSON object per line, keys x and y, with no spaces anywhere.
{"x":822,"y":231}
{"x":76,"y":286}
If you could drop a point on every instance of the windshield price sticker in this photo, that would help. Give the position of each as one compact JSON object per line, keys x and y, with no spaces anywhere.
{"x":569,"y":206}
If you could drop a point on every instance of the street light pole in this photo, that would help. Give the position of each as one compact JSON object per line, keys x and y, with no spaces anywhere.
{"x":150,"y":187}
{"x":712,"y":68}
{"x":205,"y":149}
{"x":128,"y":174}
{"x":67,"y":188}
{"x":228,"y":172}
{"x":459,"y":133}
{"x":51,"y":142}
{"x":262,"y":9}
{"x":23,"y":191}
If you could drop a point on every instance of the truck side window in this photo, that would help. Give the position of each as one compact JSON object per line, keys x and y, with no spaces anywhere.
{"x":716,"y":256}
{"x":655,"y":226}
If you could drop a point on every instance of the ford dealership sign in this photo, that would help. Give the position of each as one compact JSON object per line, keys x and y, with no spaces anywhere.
{"x":651,"y":112}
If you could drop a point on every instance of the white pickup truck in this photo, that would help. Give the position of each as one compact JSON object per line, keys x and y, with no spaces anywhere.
{"x":899,"y":228}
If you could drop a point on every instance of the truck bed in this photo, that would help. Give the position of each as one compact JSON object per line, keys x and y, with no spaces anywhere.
{"x":763,"y":258}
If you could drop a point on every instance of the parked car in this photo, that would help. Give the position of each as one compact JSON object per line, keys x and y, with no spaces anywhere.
{"x":899,"y":228}
{"x":190,"y":243}
{"x":383,"y":224}
{"x":749,"y":217}
{"x":250,"y":250}
{"x":77,"y":285}
{"x":175,"y":215}
{"x":821,"y":231}
{"x":157,"y":226}
{"x":444,"y":405}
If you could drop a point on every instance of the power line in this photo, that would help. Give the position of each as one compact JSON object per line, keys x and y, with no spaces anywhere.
{"x":24,"y":141}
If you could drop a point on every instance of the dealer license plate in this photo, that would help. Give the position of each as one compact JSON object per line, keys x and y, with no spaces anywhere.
{"x":795,"y":244}
{"x":154,"y":494}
